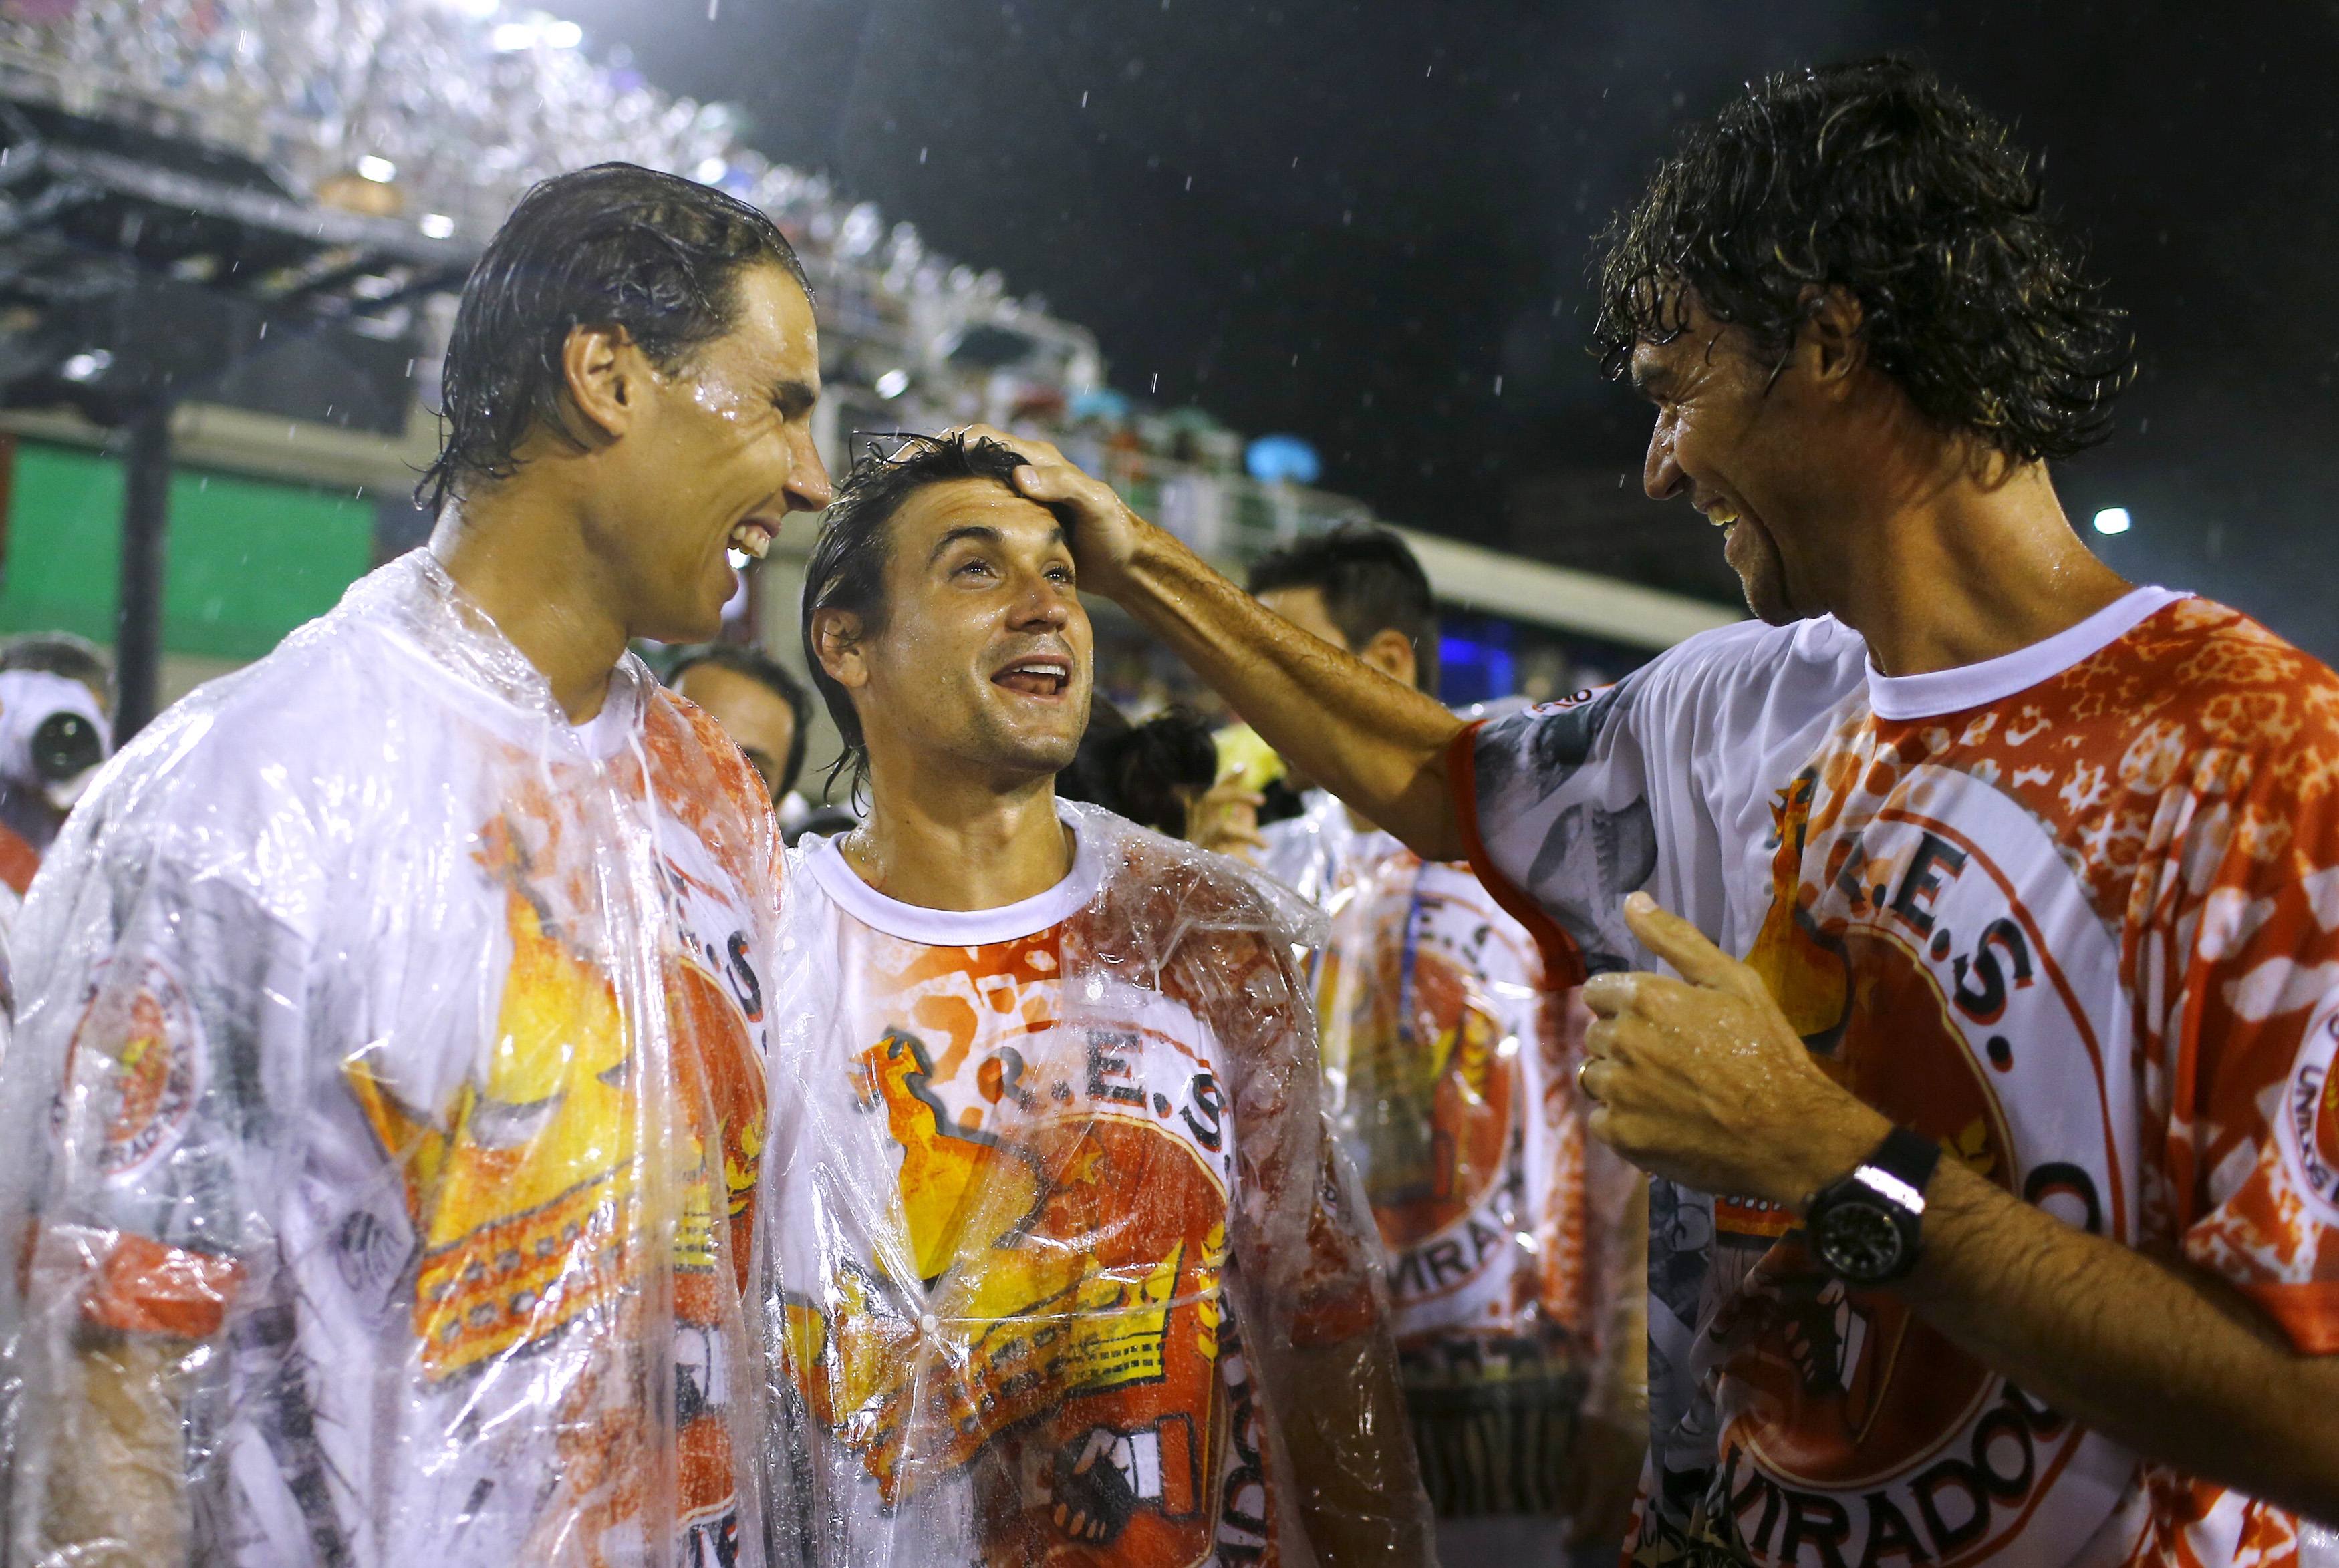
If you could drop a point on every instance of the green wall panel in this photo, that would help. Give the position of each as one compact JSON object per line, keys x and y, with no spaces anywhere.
{"x":248,"y":559}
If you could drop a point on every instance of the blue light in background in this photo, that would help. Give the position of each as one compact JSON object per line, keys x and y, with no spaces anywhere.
{"x":1474,"y":662}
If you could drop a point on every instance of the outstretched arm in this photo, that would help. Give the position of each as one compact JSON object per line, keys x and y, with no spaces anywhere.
{"x":1375,"y":742}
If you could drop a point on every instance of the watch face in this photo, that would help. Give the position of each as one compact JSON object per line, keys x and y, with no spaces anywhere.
{"x":1859,"y":1241}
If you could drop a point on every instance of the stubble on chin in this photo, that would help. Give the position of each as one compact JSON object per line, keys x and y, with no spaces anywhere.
{"x":1005,"y":750}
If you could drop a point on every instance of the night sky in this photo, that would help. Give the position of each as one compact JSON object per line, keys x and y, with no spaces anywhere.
{"x":1349,"y":221}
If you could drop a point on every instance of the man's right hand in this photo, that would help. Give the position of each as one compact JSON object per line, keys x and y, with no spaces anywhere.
{"x":1104,"y":531}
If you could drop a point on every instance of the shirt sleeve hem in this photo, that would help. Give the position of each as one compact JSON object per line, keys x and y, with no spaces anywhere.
{"x":1562,"y":964}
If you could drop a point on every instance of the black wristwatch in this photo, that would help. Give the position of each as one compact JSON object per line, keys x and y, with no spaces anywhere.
{"x":1865,"y":1227}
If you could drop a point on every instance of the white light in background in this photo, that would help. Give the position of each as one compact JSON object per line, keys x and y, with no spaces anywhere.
{"x":435,"y":225}
{"x":512,"y":35}
{"x":563,"y":35}
{"x":893,"y":383}
{"x":85,"y":366}
{"x":2112,"y":520}
{"x":711,"y":170}
{"x":380,"y":170}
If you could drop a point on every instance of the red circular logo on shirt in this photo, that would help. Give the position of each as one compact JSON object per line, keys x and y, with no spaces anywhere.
{"x":147,"y":1039}
{"x":1844,"y":1386}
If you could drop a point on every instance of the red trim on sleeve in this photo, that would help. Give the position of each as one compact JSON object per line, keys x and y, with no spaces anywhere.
{"x":1563,"y":965}
{"x":2308,"y":1313}
{"x":143,"y":1286}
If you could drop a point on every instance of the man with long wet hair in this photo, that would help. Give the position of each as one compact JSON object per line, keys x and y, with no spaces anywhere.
{"x":1991,"y":1099}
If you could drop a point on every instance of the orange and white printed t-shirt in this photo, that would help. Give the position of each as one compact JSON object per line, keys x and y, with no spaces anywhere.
{"x":1018,"y":1213}
{"x":2072,"y":913}
{"x":404,"y":1042}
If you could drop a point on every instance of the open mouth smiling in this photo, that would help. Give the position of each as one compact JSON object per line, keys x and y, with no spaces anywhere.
{"x":753,"y":536}
{"x":1040,"y":675}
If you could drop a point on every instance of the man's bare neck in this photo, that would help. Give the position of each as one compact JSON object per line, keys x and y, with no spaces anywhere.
{"x":522,"y":558}
{"x":1963,"y":571}
{"x":959,"y":846}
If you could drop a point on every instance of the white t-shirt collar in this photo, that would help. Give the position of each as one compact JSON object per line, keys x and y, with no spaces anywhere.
{"x":1968,"y":687}
{"x":604,"y":735}
{"x":958,"y":928}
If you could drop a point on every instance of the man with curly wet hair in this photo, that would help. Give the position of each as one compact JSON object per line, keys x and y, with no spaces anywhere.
{"x":1992,"y":1102}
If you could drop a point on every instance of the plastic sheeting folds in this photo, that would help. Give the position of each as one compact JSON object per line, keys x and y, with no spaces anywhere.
{"x":1063,"y":1267}
{"x":1449,"y":1070}
{"x":380,"y":1139}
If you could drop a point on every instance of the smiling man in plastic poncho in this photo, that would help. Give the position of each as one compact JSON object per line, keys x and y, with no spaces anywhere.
{"x":383,"y":1127}
{"x":1064,"y":1269}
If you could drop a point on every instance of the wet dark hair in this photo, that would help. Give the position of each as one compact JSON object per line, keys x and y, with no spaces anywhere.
{"x":1371,"y":583}
{"x":846,"y":570}
{"x":1148,"y":772}
{"x":759,"y":666}
{"x":1879,"y":179}
{"x":655,"y":255}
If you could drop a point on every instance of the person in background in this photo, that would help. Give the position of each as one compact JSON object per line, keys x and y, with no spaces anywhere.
{"x":1992,"y":1103}
{"x":56,"y":704}
{"x":378,"y":1145}
{"x":1155,"y":774}
{"x":1065,"y":1270}
{"x":760,"y":705}
{"x":62,"y":654}
{"x":1515,"y":1242}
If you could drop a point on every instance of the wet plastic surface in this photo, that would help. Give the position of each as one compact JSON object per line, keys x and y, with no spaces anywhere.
{"x":1449,"y":1073}
{"x":380,"y":1139}
{"x":1062,"y":1266}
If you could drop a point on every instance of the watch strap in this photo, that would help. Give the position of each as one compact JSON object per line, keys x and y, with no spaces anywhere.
{"x":1899,"y":1168}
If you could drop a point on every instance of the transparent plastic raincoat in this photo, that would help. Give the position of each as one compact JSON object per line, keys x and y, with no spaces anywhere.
{"x":1449,"y":1070}
{"x":379,"y":1140}
{"x":1063,"y":1268}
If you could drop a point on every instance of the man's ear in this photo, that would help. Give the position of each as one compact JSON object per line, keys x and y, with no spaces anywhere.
{"x":605,"y":376}
{"x":837,"y":643}
{"x":1829,"y":341}
{"x":1391,"y":652}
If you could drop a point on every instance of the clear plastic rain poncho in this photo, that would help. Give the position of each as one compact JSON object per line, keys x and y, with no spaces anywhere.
{"x":379,"y":1140}
{"x":1449,"y":1069}
{"x":1063,"y":1268}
